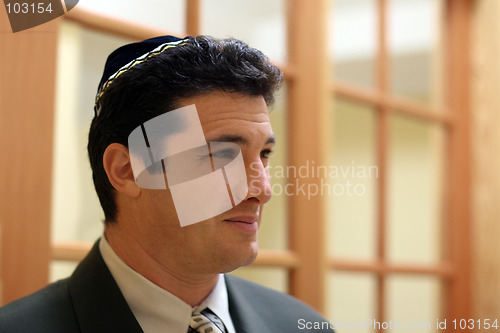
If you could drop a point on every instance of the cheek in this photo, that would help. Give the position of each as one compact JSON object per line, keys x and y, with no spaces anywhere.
{"x":159,"y":208}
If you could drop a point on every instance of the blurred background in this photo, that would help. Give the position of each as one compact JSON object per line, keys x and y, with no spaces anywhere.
{"x":385,"y":175}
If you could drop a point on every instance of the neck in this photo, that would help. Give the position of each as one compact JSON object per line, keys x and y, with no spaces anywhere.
{"x":191,"y":287}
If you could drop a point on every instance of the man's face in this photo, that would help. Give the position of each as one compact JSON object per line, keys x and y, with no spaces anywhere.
{"x":229,"y":240}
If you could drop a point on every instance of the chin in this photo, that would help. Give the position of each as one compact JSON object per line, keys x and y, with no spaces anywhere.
{"x":241,"y":258}
{"x":251,"y":257}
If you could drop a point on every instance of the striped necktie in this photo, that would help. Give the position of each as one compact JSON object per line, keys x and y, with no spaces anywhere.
{"x":206,"y":322}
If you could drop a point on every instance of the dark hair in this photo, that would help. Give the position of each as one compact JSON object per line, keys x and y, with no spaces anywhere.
{"x":202,"y":65}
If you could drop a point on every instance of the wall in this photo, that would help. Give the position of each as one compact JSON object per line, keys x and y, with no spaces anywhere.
{"x":485,"y":83}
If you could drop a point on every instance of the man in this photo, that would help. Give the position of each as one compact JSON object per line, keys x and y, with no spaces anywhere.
{"x":165,"y":109}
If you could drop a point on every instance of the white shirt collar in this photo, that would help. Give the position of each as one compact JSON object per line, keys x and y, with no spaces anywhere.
{"x":156,"y":309}
{"x":218,"y":303}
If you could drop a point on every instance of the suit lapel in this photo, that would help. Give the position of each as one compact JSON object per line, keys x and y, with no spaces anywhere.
{"x":99,"y":305}
{"x":245,"y":319}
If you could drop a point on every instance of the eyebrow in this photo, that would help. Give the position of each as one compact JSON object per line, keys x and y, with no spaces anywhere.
{"x":241,"y":140}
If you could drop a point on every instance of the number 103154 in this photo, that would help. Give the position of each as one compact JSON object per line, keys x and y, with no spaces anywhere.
{"x":486,"y":324}
{"x":28,"y":8}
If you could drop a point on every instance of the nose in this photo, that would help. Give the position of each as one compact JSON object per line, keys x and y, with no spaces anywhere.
{"x":259,"y":182}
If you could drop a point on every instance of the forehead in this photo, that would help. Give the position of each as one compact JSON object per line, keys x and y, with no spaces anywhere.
{"x":223,"y":113}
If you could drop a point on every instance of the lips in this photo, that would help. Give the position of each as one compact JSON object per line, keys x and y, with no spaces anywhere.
{"x":247,"y":224}
{"x":243,"y":219}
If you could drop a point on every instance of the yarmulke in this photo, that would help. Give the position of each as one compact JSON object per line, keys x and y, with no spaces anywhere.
{"x":127,"y":56}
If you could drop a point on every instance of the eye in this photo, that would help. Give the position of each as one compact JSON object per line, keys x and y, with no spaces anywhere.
{"x":266,"y":154}
{"x":220,"y":154}
{"x":224,"y":153}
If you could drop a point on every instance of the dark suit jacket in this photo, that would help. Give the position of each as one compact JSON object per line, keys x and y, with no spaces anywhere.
{"x":90,"y":302}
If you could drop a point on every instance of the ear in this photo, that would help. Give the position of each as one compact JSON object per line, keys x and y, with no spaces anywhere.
{"x":116,"y":161}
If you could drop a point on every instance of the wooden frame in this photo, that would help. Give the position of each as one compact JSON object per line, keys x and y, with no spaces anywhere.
{"x":454,"y":269}
{"x":458,"y":289}
{"x":308,"y":141}
{"x":26,"y":132}
{"x":112,"y":25}
{"x":193,"y":17}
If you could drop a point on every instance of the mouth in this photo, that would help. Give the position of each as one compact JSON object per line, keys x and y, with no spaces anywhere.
{"x":245,"y":223}
{"x":243,"y":219}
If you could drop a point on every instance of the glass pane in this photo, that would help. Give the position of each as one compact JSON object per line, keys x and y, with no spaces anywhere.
{"x":413,"y":303}
{"x":352,"y":206}
{"x":353,"y":45}
{"x":351,"y":301}
{"x":166,"y":15}
{"x":414,"y":47}
{"x":273,"y":233}
{"x":415,"y":190}
{"x":260,"y":23}
{"x":272,"y":277}
{"x":76,"y":212}
{"x":59,"y":269}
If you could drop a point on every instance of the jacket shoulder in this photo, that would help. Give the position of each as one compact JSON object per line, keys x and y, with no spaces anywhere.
{"x":275,"y":308}
{"x":47,"y":310}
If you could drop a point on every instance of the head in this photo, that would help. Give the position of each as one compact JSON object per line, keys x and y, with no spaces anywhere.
{"x":231,"y":85}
